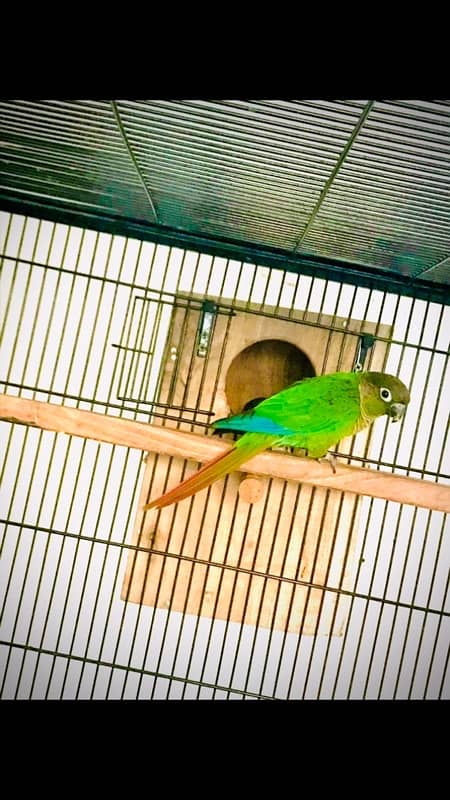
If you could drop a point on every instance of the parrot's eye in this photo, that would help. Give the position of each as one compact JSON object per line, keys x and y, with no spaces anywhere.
{"x":385,"y":394}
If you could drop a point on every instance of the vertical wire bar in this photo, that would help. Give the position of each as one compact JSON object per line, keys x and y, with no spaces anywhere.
{"x":161,"y":577}
{"x":333,"y":316}
{"x":322,"y":301}
{"x":110,"y":391}
{"x":249,"y":587}
{"x":294,"y":293}
{"x":206,"y":360}
{"x":190,"y":369}
{"x":223,"y":571}
{"x":129,"y":315}
{"x":159,"y":588}
{"x":411,"y":611}
{"x":219,"y":587}
{"x":382,"y":527}
{"x":135,"y":552}
{"x":7,"y":308}
{"x":334,"y":538}
{"x":178,"y":344}
{"x":12,"y":357}
{"x":195,"y":273}
{"x":46,"y":482}
{"x":447,"y":660}
{"x":76,"y":481}
{"x":433,"y":651}
{"x":263,"y":591}
{"x":149,"y":348}
{"x":81,"y":456}
{"x":367,"y":606}
{"x":289,"y":539}
{"x":40,"y":437}
{"x":195,"y":633}
{"x":144,"y":391}
{"x":419,"y":567}
{"x":111,"y":457}
{"x":378,"y":628}
{"x":310,"y":290}
{"x":291,"y":602}
{"x":84,"y":446}
{"x":13,"y":285}
{"x":283,"y":284}
{"x":425,"y":616}
{"x":439,"y":467}
{"x":285,"y":635}
{"x":172,"y":594}
{"x":228,"y":620}
{"x":359,"y":565}
{"x":170,"y":536}
{"x":279,"y":586}
{"x":308,"y":591}
{"x":386,"y":506}
{"x":141,"y":310}
{"x":323,"y":517}
{"x":139,"y":338}
{"x":321,"y":606}
{"x":353,"y":522}
{"x":250,"y":289}
{"x":192,"y":569}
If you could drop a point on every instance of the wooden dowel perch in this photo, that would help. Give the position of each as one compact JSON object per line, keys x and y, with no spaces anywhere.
{"x":116,"y":430}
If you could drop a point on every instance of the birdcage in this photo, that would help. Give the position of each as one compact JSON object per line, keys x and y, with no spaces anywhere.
{"x":169,"y":263}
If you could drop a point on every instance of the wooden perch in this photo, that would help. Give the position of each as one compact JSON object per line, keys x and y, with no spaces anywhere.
{"x":116,"y":430}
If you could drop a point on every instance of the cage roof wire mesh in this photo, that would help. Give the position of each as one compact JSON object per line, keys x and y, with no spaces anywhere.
{"x":361,"y":185}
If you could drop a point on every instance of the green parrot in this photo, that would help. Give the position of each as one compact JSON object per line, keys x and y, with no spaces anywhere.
{"x":312,"y":414}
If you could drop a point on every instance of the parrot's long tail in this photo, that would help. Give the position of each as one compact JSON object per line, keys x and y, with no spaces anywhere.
{"x":215,"y":469}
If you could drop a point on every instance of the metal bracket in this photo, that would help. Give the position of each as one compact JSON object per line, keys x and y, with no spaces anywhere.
{"x":206,"y":327}
{"x":365,"y":342}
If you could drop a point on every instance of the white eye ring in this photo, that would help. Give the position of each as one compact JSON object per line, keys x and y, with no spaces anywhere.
{"x":385,"y":394}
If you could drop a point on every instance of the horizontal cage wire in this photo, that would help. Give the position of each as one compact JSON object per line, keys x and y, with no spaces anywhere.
{"x":308,"y":592}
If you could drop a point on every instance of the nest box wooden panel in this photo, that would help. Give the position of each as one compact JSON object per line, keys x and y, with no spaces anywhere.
{"x":280,"y":530}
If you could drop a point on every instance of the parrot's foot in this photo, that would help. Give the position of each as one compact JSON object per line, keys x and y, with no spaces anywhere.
{"x":330,"y":459}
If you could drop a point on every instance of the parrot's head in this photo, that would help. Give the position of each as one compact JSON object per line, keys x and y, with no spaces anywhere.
{"x":383,"y":394}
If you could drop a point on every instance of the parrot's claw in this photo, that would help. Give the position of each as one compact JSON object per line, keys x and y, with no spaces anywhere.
{"x":330,"y":459}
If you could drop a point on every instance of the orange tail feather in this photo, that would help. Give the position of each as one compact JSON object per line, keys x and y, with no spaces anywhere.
{"x":212,"y":471}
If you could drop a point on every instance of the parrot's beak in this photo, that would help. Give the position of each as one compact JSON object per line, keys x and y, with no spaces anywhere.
{"x":396,"y":411}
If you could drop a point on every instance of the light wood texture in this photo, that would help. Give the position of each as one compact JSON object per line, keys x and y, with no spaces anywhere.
{"x":296,"y":534}
{"x":311,"y":533}
{"x":251,"y":489}
{"x":128,"y":433}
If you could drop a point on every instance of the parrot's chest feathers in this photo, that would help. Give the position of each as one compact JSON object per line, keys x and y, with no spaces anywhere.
{"x":362,"y":422}
{"x":365,"y":418}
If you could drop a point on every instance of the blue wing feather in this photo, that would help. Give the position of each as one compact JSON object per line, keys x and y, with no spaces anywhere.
{"x":251,"y":423}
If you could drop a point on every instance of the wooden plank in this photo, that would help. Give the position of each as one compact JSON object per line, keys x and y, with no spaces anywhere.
{"x":115,"y":430}
{"x":263,"y":541}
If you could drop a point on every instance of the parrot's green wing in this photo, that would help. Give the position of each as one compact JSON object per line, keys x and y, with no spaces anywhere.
{"x":313,"y":414}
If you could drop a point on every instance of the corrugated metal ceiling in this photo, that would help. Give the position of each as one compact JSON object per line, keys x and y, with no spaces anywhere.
{"x":359,"y":182}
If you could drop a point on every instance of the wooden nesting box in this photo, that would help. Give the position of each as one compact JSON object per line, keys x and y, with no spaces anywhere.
{"x":291,"y":533}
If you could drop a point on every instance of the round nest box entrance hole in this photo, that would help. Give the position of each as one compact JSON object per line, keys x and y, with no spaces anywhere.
{"x":261,"y":370}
